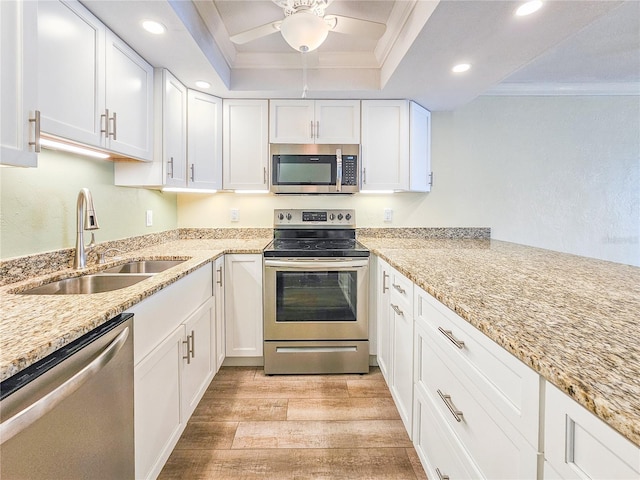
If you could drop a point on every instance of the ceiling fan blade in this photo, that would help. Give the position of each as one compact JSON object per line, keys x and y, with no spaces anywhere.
{"x":355,"y":26}
{"x":255,"y":33}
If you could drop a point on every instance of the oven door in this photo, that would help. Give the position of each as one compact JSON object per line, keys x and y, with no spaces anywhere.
{"x":316,"y":299}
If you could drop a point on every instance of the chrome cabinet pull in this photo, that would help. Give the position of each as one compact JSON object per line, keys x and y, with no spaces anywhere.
{"x":105,"y":117}
{"x":397,"y":309}
{"x":193,"y":172}
{"x":364,"y":176}
{"x":113,"y":132}
{"x":36,"y":134}
{"x":385,"y":275}
{"x":219,"y":281}
{"x":318,"y":129}
{"x":399,"y":288}
{"x":193,"y":344}
{"x":311,"y":122}
{"x":441,"y":476}
{"x":170,"y":173}
{"x":449,"y":335}
{"x":190,"y":343}
{"x":187,"y":357}
{"x":264,"y":175}
{"x":457,"y":414}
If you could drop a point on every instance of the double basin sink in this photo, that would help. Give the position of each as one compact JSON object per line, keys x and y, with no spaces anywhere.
{"x":113,"y":278}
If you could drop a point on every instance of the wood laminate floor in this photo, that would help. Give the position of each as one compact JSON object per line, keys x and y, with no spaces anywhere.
{"x":249,"y":425}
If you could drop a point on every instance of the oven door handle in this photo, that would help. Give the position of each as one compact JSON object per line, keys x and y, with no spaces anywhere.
{"x":317,"y":264}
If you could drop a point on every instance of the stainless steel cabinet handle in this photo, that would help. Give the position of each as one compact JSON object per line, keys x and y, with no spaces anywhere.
{"x":115,"y":125}
{"x":187,"y":356}
{"x":457,"y":414}
{"x":399,"y":288}
{"x":311,"y":128}
{"x":441,"y":476}
{"x":449,"y":335}
{"x":105,"y":117}
{"x":190,"y":343}
{"x":21,"y":420}
{"x":364,"y":176}
{"x":170,"y":163}
{"x":36,"y":134}
{"x":193,"y":172}
{"x":397,"y":309}
{"x":318,"y":129}
{"x":193,"y":344}
{"x":385,"y":275}
{"x":264,"y":175}
{"x":219,"y":281}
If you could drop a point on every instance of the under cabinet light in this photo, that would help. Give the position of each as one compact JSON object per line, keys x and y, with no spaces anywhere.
{"x":377,"y":191}
{"x":251,"y":191}
{"x":188,"y":190}
{"x":72,"y":148}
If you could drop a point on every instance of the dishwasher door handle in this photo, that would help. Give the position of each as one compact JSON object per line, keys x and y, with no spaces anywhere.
{"x":21,"y":420}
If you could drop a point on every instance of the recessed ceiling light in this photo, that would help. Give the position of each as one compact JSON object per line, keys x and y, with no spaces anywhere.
{"x":461,"y":67}
{"x":203,"y":84}
{"x":528,"y":8}
{"x":154,"y":27}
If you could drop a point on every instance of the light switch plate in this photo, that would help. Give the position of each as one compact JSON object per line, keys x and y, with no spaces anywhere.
{"x":235,"y":215}
{"x":388,"y":215}
{"x":149,"y":218}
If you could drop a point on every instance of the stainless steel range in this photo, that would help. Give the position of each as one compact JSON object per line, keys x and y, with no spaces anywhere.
{"x":316,"y":288}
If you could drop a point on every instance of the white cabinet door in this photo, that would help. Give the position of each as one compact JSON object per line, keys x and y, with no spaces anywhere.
{"x":218,"y":292}
{"x":129,"y":98}
{"x":18,"y":97}
{"x":71,"y":76}
{"x":314,"y":121}
{"x":198,"y":356}
{"x":243,"y":305}
{"x":578,"y":445}
{"x":291,"y":121}
{"x":204,"y":137}
{"x":401,"y":334}
{"x":383,"y":311}
{"x":245,"y":146}
{"x":337,"y":121}
{"x":174,"y":129}
{"x":396,"y":146}
{"x":158,"y":419}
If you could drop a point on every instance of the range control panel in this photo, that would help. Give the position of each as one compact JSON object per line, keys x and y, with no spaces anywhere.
{"x":302,"y":218}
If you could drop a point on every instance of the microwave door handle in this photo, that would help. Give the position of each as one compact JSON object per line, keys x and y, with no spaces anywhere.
{"x":338,"y":169}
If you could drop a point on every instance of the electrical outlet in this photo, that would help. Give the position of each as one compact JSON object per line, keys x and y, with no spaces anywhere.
{"x":149,"y":218}
{"x":235,"y":215}
{"x":388,"y":215}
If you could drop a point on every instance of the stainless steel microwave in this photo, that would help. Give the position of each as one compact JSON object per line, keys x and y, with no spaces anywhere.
{"x":335,"y":173}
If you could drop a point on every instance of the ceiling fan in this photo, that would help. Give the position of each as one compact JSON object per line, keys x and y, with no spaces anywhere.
{"x":305,"y":26}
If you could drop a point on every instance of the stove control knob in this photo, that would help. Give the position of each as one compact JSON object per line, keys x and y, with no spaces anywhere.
{"x":339,"y":216}
{"x":288,"y":216}
{"x":281,"y":216}
{"x":348,"y":216}
{"x":332,"y":216}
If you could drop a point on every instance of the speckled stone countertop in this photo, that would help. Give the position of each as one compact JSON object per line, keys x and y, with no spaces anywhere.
{"x":33,"y":326}
{"x":574,"y":320}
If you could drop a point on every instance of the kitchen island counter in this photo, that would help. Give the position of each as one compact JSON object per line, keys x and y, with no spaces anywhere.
{"x":33,"y":326}
{"x":574,"y":320}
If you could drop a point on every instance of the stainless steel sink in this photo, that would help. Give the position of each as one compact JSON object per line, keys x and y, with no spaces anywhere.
{"x":86,"y":284}
{"x":144,"y":266}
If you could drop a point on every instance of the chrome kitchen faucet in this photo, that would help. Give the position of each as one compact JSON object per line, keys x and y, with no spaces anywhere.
{"x":86,"y":220}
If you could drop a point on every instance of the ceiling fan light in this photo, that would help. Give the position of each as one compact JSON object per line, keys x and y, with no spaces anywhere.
{"x":304,"y":31}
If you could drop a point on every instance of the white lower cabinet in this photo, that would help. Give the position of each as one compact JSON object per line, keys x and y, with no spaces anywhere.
{"x":218,"y":293}
{"x":243,"y":305}
{"x":174,"y":358}
{"x":383,"y":314}
{"x":578,"y":445}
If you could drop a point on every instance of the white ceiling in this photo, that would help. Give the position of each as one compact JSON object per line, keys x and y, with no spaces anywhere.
{"x":590,"y":47}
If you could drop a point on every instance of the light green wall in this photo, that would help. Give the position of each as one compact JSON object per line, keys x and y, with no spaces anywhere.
{"x":38,"y":205}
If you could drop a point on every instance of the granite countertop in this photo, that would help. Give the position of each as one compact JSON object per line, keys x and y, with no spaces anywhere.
{"x":33,"y":326}
{"x":574,"y":320}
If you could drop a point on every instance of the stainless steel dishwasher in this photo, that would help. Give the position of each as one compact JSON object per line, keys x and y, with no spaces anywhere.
{"x":70,"y":415}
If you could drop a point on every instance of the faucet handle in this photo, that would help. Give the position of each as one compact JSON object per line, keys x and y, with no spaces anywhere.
{"x":103,"y":255}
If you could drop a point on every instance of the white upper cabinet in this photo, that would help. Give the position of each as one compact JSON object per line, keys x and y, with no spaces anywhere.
{"x":315,"y":121}
{"x":396,"y":146}
{"x":18,"y":95}
{"x":204,"y":141}
{"x":245,"y":147}
{"x":171,"y":127}
{"x":92,"y":88}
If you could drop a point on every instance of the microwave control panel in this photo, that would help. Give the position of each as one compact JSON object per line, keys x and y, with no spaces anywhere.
{"x":349,"y":170}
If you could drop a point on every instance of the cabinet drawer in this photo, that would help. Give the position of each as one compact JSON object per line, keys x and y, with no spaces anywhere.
{"x":439,"y":450}
{"x":511,"y":386}
{"x":578,"y":445}
{"x":497,"y":447}
{"x":157,"y":316}
{"x":401,"y":289}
